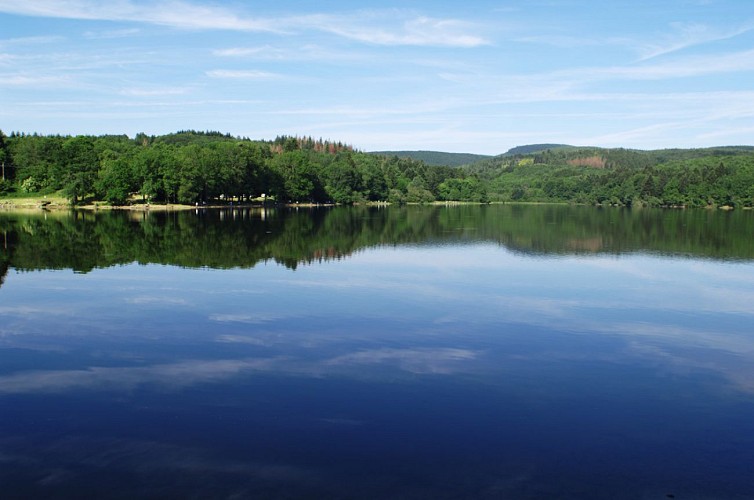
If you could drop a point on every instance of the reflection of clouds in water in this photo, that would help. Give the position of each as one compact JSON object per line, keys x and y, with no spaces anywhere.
{"x":737,"y":369}
{"x":177,"y":376}
{"x":25,"y":310}
{"x":397,"y":283}
{"x":411,"y":360}
{"x":242,"y":339}
{"x":671,"y":348}
{"x":523,"y":308}
{"x":682,"y":285}
{"x":167,"y":376}
{"x":151,"y":299}
{"x":79,"y":459}
{"x":680,"y":336}
{"x":726,"y":300}
{"x":478,"y":256}
{"x":245,"y":318}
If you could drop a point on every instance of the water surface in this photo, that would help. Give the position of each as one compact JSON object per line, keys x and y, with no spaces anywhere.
{"x":421,"y":352}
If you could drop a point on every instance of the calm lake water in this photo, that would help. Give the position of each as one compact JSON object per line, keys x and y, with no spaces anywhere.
{"x":421,"y":352}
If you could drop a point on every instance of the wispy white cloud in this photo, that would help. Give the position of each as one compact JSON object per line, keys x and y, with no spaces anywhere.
{"x":685,"y":35}
{"x":307,"y":53}
{"x":734,"y":62}
{"x":25,"y":80}
{"x":745,"y":133}
{"x":414,"y":30}
{"x":573,"y":41}
{"x":242,"y":74}
{"x":157,"y":91}
{"x":265,"y":50}
{"x":387,"y":28}
{"x":122,"y":33}
{"x":572,"y":82}
{"x":634,"y":135}
{"x":176,"y":13}
{"x":31,"y":40}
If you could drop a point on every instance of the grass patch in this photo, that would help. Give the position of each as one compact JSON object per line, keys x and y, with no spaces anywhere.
{"x":25,"y":200}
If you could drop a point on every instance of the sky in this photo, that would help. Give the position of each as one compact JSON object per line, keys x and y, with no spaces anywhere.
{"x":475,"y":76}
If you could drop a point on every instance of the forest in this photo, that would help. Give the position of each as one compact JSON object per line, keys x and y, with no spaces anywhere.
{"x":190,"y":167}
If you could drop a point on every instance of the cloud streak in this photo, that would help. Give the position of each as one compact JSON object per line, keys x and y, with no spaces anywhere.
{"x":419,"y":30}
{"x":242,"y":74}
{"x":366,"y":27}
{"x":687,"y":35}
{"x":177,"y":14}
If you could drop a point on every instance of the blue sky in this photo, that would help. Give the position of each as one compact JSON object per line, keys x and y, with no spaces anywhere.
{"x":479,"y":77}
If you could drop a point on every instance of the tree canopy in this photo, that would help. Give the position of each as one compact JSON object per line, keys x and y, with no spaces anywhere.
{"x":202,"y":167}
{"x":194,"y":167}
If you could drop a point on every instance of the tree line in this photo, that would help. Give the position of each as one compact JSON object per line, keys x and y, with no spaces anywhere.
{"x":623,"y":177}
{"x":197,"y":167}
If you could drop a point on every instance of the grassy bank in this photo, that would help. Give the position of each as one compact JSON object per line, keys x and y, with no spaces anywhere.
{"x":55,"y":202}
{"x":30,"y":202}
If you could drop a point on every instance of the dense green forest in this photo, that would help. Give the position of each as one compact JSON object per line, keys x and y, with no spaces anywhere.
{"x":196,"y":167}
{"x":721,"y":176}
{"x":193,"y":167}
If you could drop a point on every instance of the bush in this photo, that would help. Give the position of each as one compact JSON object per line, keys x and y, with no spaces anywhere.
{"x":6,"y":186}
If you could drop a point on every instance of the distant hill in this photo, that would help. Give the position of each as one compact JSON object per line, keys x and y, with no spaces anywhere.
{"x":534,"y":148}
{"x":436,"y":158}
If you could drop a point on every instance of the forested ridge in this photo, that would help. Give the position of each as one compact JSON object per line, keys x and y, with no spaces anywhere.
{"x":722,"y":176}
{"x":197,"y":167}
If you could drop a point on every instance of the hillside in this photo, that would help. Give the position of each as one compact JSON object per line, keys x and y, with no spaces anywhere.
{"x":192,"y":167}
{"x":699,"y":177}
{"x":436,"y":158}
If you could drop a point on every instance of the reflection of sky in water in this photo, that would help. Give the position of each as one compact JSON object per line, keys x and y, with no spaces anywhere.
{"x":426,"y":371}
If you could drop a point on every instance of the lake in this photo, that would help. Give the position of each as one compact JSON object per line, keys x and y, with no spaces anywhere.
{"x":503,"y":351}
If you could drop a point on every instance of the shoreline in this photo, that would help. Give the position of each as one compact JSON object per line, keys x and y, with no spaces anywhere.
{"x":34,"y":204}
{"x":59,"y":204}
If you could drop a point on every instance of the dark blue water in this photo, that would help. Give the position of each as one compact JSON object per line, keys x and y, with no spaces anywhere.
{"x":444,"y":369}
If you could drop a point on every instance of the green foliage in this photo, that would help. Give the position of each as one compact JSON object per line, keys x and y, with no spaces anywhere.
{"x":193,"y":167}
{"x":115,"y":181}
{"x":6,"y":186}
{"x":469,"y":189}
{"x":692,"y":178}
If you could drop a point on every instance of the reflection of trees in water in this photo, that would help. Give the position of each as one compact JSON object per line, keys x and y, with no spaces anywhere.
{"x":6,"y":242}
{"x":243,"y":237}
